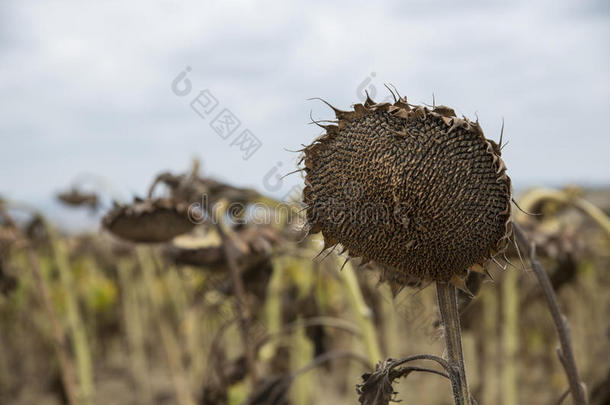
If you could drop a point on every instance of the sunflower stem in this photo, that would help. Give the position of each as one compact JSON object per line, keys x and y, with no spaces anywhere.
{"x":364,"y":315}
{"x":566,"y":351}
{"x":171,"y":346}
{"x":447,"y":302}
{"x":76,"y":324}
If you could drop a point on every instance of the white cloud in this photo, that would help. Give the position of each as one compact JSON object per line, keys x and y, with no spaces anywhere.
{"x":85,"y":85}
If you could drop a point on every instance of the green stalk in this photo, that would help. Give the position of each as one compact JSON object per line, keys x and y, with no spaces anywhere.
{"x":489,"y":305}
{"x":65,"y":362}
{"x":364,"y":314}
{"x":390,"y":322}
{"x":301,"y":355}
{"x":179,"y":298}
{"x":176,"y":289}
{"x":510,"y":338}
{"x":134,"y":330}
{"x":273,"y":306}
{"x":447,"y":303}
{"x":78,"y":333}
{"x":169,"y":342}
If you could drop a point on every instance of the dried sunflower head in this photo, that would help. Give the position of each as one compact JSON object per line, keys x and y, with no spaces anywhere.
{"x":192,"y":188}
{"x":148,"y":221}
{"x":253,"y":245}
{"x":76,"y":198}
{"x":418,"y":190}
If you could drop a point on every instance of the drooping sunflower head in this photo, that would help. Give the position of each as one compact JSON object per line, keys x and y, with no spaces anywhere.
{"x":418,"y":190}
{"x":149,"y":221}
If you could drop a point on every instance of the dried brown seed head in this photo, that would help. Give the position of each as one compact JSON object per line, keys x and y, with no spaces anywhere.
{"x":190,"y":188}
{"x":417,"y":190}
{"x":148,"y":221}
{"x":253,"y":245}
{"x":76,"y":198}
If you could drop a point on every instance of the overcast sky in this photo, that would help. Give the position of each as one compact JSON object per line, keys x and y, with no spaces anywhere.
{"x":87,"y":86}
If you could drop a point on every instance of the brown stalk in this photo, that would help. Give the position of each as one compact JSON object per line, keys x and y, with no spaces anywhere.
{"x":243,"y":311}
{"x":65,"y":363}
{"x":171,"y":346}
{"x":447,"y":303}
{"x":76,"y":326}
{"x":565,"y":352}
{"x":135,"y":331}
